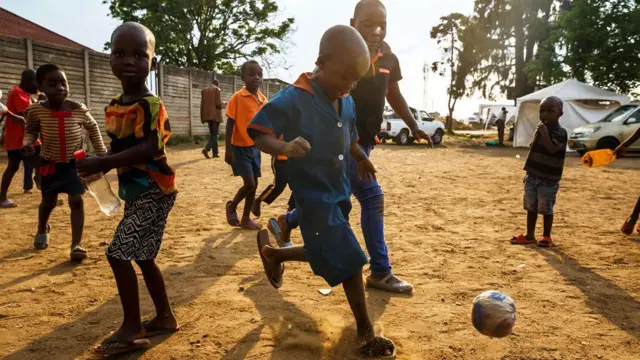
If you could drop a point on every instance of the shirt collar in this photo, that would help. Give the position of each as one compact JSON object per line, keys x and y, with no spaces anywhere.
{"x":304,"y":82}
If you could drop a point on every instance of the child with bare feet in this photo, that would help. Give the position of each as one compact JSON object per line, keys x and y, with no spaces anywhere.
{"x":316,"y":118}
{"x":58,"y":122}
{"x":137,"y":123}
{"x":544,"y":170}
{"x":241,"y":152}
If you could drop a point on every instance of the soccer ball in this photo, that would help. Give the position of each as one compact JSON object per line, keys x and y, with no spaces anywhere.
{"x":493,"y":314}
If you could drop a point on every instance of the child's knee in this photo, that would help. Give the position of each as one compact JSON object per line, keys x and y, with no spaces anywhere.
{"x":76,"y":202}
{"x":146,"y":265}
{"x":250,"y":184}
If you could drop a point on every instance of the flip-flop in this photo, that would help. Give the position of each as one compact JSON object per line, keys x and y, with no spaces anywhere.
{"x":546,"y":242}
{"x":115,"y":348}
{"x":522,"y":240}
{"x":78,"y":254}
{"x":263,"y":240}
{"x":8,"y":204}
{"x":251,"y":226}
{"x":151,"y":332}
{"x":274,"y":228}
{"x":379,"y":348}
{"x":232,"y":216}
{"x":41,"y":241}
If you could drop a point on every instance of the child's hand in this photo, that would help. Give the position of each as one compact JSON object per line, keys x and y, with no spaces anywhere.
{"x":621,"y":150}
{"x":28,"y":150}
{"x":228,"y":156}
{"x":298,"y":147}
{"x":89,"y":166}
{"x":366,"y":170}
{"x":542,"y":129}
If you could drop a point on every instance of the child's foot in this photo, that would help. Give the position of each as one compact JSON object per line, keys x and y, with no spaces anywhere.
{"x":205,"y":152}
{"x":281,"y":231}
{"x":255,"y":209}
{"x":8,"y":204}
{"x":28,"y":192}
{"x":78,"y":254}
{"x":122,"y":342}
{"x":232,"y":215}
{"x":160,"y":326}
{"x":378,"y":347}
{"x":627,"y":227}
{"x":523,"y":240}
{"x":389,"y":283}
{"x":546,"y":242}
{"x":272,"y":269}
{"x":41,"y":241}
{"x":249,"y":224}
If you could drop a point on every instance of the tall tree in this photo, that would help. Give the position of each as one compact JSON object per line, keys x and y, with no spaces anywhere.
{"x":449,"y":34}
{"x":208,"y":34}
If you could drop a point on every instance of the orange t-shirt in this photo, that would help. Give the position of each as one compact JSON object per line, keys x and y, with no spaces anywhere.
{"x":242,"y":107}
{"x":17,"y":102}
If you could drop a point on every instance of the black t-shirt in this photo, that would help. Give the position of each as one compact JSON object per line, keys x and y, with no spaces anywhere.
{"x":371,"y":92}
{"x":543,"y":164}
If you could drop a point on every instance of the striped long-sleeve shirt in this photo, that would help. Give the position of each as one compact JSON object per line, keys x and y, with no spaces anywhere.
{"x":61,"y":131}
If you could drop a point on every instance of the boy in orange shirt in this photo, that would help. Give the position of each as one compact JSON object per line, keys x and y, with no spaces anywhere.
{"x":241,"y":152}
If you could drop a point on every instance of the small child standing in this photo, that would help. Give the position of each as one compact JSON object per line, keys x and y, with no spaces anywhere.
{"x":317,"y":121}
{"x":58,"y":122}
{"x":627,"y":227}
{"x":544,"y":167}
{"x":137,"y":123}
{"x":241,"y":152}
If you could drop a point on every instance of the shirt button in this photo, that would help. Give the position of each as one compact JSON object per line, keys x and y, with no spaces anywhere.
{"x":340,"y":157}
{"x":340,"y":124}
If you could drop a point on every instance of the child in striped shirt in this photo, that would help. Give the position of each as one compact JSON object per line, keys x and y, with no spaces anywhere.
{"x":58,"y":122}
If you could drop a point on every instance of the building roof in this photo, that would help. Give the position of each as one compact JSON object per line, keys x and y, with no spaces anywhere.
{"x":19,"y":27}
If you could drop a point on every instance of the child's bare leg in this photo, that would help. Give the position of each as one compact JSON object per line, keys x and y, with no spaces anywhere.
{"x":636,"y":212}
{"x":154,"y":280}
{"x":532,"y":218}
{"x":246,"y":189}
{"x":354,"y":289}
{"x":280,"y":255}
{"x":48,"y":203}
{"x":248,"y":203}
{"x":77,"y":219}
{"x":548,"y":224}
{"x":127,"y":282}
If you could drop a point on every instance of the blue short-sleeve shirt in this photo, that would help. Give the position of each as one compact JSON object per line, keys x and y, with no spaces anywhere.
{"x":319,"y":180}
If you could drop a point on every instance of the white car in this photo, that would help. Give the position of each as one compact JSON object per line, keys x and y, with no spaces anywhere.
{"x":394,"y":128}
{"x":609,"y":132}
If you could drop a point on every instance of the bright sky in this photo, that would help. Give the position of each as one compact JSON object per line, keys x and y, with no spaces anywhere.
{"x":409,"y":24}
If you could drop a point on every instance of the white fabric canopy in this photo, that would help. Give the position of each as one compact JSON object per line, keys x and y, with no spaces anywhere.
{"x":574,"y":94}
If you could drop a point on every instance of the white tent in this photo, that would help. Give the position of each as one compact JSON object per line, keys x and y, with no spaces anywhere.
{"x":583,"y":104}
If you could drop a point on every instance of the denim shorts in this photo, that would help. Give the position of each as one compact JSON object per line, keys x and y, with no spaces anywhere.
{"x":246,"y":161}
{"x":540,"y":194}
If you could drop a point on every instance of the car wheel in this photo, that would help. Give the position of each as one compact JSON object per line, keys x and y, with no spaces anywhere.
{"x":437,"y":137}
{"x":402,"y":138}
{"x":607,"y":143}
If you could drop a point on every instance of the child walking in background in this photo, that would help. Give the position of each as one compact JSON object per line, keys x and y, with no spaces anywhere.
{"x":544,"y":167}
{"x":631,"y":221}
{"x":241,"y":152}
{"x":318,"y":125}
{"x":137,"y":123}
{"x":59,"y":122}
{"x":273,"y":191}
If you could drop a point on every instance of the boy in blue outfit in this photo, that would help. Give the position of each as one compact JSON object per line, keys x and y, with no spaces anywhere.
{"x":317,"y":123}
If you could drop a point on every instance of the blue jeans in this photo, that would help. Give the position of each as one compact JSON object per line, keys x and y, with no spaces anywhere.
{"x":540,"y":194}
{"x":371,"y":199}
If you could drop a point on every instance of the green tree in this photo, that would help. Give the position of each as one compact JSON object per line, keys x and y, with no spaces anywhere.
{"x":208,"y":34}
{"x":449,"y":34}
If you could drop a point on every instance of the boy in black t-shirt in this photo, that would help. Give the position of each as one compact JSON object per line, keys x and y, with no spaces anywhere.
{"x":544,"y":170}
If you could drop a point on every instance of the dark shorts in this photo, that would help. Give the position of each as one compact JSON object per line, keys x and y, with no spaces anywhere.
{"x":246,"y":161}
{"x":540,"y":194}
{"x":60,"y":178}
{"x":139,"y":235}
{"x":330,"y":245}
{"x":33,"y":160}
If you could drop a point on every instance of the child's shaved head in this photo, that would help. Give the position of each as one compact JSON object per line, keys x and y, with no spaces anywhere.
{"x":134,"y":27}
{"x":364,"y":3}
{"x":343,"y":41}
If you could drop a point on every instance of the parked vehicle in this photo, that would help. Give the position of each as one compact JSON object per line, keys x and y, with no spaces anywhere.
{"x":609,"y":132}
{"x":394,"y":128}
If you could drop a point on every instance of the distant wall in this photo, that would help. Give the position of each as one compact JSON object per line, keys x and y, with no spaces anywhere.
{"x":91,"y":81}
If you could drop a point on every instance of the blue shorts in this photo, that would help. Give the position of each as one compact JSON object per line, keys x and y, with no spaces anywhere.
{"x":540,"y":194}
{"x":246,"y":161}
{"x":60,"y":178}
{"x":330,"y":245}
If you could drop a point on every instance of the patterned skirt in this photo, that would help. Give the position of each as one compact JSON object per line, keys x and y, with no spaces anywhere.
{"x":139,"y":235}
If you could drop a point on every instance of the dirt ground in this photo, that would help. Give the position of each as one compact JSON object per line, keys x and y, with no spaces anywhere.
{"x":449,"y":215}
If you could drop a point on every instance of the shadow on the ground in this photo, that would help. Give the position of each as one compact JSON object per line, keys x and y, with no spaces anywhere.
{"x":603,"y":296}
{"x":95,"y":324}
{"x":54,"y":270}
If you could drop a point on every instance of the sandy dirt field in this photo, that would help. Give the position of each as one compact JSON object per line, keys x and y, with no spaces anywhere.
{"x":449,"y":215}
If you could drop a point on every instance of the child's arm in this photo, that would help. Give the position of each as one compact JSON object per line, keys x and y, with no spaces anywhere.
{"x":32,"y":132}
{"x":550,"y":144}
{"x":91,"y":125}
{"x":134,"y":155}
{"x":269,"y":144}
{"x":622,"y":149}
{"x":228,"y":154}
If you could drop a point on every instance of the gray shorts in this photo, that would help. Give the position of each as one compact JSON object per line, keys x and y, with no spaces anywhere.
{"x":540,"y":194}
